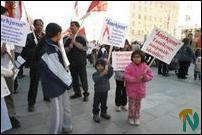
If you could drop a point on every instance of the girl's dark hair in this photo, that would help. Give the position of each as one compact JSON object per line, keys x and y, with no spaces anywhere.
{"x":138,"y":52}
{"x":38,"y":20}
{"x":76,"y":23}
{"x":52,"y":29}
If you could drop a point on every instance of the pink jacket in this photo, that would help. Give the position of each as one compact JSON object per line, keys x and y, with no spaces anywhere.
{"x":134,"y":87}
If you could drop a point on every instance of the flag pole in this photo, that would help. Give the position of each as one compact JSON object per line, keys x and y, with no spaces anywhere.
{"x":35,"y":39}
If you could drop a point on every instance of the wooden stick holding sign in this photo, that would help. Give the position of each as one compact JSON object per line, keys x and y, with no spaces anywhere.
{"x":110,"y":53}
{"x":109,"y":56}
{"x":153,"y":59}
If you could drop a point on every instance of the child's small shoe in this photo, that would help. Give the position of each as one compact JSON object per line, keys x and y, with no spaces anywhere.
{"x":131,"y":121}
{"x":124,"y":108}
{"x":118,"y":108}
{"x":137,"y":122}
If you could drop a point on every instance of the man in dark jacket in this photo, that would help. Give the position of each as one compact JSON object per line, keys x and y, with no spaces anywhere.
{"x":29,"y":54}
{"x":76,"y":48}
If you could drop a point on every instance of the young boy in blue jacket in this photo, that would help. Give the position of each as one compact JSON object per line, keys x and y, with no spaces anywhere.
{"x":101,"y":86}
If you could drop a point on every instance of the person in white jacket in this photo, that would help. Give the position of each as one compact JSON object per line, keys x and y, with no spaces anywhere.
{"x":5,"y":72}
{"x":7,"y":61}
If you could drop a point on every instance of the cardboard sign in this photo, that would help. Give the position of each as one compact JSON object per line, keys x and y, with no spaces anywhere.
{"x":113,"y":33}
{"x":13,"y":31}
{"x":161,"y":45}
{"x":120,"y":60}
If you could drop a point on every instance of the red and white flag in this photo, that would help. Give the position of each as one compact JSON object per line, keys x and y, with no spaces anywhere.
{"x":82,"y":32}
{"x":14,"y":9}
{"x":96,"y":6}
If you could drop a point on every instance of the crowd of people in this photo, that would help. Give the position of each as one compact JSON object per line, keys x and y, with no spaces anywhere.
{"x":44,"y":59}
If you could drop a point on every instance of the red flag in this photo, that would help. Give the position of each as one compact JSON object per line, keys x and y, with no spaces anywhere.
{"x":14,"y":9}
{"x":93,"y":5}
{"x":97,"y":6}
{"x":82,"y":32}
{"x":67,"y":32}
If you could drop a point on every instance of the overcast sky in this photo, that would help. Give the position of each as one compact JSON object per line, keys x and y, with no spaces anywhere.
{"x":62,"y":12}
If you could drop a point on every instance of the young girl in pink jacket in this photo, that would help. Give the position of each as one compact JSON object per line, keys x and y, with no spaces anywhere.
{"x":136,"y":75}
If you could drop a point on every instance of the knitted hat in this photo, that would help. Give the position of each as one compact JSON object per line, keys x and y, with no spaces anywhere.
{"x":101,"y":62}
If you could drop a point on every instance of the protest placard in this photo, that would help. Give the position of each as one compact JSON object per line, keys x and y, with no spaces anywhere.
{"x":13,"y":31}
{"x":19,"y":61}
{"x":120,"y":60}
{"x":4,"y":88}
{"x":161,"y":45}
{"x":113,"y":33}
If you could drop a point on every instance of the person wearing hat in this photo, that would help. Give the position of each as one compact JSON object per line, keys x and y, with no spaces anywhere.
{"x":101,"y":86}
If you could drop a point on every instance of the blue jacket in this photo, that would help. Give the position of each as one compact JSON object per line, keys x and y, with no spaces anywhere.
{"x":54,"y":78}
{"x":102,"y":82}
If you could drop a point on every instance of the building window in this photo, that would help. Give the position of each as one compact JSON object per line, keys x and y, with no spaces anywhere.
{"x":160,"y":19}
{"x":140,"y":7}
{"x":132,"y":32}
{"x":145,"y":17}
{"x":139,"y":16}
{"x":138,"y":32}
{"x":145,"y":9}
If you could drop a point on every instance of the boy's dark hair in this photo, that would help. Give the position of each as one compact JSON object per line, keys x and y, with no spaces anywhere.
{"x":36,"y":20}
{"x":3,"y":10}
{"x":101,"y":62}
{"x":190,"y":34}
{"x":52,"y":29}
{"x":186,"y":41}
{"x":76,"y":23}
{"x":139,"y":52}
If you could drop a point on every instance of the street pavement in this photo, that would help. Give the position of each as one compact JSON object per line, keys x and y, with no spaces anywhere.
{"x":166,"y":97}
